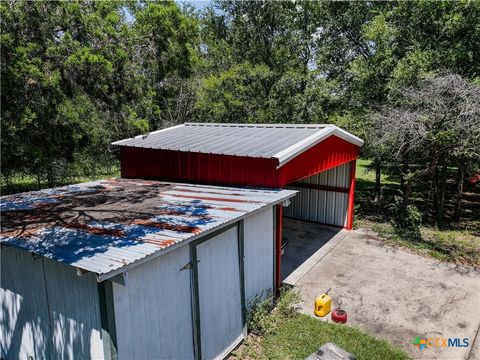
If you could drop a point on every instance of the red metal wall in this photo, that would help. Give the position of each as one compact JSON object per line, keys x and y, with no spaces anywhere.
{"x":233,"y":170}
{"x":198,"y":168}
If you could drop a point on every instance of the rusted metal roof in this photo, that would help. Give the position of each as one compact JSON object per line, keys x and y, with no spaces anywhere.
{"x":279,"y":141}
{"x":110,"y":225}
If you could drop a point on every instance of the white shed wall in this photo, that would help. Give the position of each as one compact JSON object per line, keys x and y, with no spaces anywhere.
{"x":47,"y":311}
{"x":322,"y":206}
{"x":153,"y":315}
{"x":258,"y":252}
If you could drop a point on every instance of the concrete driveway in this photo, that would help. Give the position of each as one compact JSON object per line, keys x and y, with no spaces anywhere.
{"x":394,"y":294}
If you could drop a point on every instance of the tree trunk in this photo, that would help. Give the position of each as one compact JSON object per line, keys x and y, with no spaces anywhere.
{"x":407,"y":191}
{"x":435,"y":194}
{"x":404,"y":170}
{"x":441,"y":205}
{"x":405,"y":183}
{"x":39,"y":181}
{"x":378,"y":178}
{"x":458,"y":200}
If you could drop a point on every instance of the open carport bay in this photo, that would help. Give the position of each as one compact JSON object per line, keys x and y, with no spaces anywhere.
{"x":393,"y":294}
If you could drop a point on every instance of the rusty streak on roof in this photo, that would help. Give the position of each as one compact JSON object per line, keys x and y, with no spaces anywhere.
{"x":109,"y":225}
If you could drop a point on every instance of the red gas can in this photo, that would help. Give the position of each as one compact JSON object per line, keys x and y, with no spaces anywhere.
{"x":339,"y":316}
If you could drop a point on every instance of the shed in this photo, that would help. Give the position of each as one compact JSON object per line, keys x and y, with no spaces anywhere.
{"x":318,"y":160}
{"x":133,"y":269}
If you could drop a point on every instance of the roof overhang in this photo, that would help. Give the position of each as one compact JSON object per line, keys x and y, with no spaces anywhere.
{"x":288,"y":154}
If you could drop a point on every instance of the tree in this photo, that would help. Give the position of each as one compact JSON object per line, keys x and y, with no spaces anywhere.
{"x":77,"y":75}
{"x":433,"y":125}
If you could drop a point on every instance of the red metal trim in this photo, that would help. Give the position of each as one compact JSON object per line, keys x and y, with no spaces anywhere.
{"x":351,"y":195}
{"x":321,"y":187}
{"x":278,"y":247}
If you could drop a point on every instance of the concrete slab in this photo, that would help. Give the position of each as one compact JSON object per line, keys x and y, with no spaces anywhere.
{"x":397,"y":295}
{"x":330,"y":351}
{"x":307,"y":244}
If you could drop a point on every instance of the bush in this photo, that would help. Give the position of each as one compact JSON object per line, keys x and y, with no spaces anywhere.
{"x":263,"y":313}
{"x":259,"y":308}
{"x":406,"y":221}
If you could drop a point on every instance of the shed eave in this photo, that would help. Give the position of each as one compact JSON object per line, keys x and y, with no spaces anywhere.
{"x":290,"y":153}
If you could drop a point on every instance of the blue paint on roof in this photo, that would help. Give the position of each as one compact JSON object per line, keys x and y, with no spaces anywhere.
{"x":106,"y":225}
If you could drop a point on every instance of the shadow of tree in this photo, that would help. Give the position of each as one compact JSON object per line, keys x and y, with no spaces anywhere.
{"x":77,"y":222}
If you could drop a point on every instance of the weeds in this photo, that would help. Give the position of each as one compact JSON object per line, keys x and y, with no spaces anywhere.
{"x":264,"y":312}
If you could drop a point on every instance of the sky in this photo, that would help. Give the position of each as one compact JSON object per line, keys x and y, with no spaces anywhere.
{"x":200,"y":5}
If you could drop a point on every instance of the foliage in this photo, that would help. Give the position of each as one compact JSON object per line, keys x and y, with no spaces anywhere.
{"x":459,"y":244}
{"x":78,"y":75}
{"x":259,"y":320}
{"x":265,"y":311}
{"x":406,"y":221}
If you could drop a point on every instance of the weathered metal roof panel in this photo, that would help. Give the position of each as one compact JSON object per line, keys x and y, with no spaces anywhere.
{"x":107,"y":226}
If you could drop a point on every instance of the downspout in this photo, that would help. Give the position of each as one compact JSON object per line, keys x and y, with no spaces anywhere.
{"x":351,"y":195}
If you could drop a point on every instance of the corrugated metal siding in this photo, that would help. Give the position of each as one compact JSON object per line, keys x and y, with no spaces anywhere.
{"x":221,"y":325}
{"x":258,"y":252}
{"x":218,"y":169}
{"x":326,"y":207}
{"x":210,"y":169}
{"x":48,"y":312}
{"x":153,"y":311}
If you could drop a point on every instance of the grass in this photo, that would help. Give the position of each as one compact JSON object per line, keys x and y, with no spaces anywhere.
{"x":291,"y":335}
{"x":458,"y":242}
{"x":445,"y":245}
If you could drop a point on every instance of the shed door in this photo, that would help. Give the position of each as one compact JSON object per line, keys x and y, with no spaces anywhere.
{"x":219,"y":294}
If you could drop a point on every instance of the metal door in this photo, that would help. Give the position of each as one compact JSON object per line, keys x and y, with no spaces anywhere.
{"x":219,"y":313}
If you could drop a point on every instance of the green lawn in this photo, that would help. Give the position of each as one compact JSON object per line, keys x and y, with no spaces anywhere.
{"x":286,"y":334}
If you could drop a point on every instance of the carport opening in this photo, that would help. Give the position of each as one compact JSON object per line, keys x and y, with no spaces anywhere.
{"x":320,"y":210}
{"x":301,"y":240}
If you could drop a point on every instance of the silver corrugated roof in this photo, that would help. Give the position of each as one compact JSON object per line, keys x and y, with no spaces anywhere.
{"x":279,"y":141}
{"x":110,"y":225}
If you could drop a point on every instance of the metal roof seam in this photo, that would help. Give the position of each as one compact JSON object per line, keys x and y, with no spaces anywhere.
{"x":142,"y":136}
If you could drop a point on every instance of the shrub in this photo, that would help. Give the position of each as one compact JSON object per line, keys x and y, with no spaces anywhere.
{"x":263,"y":313}
{"x":406,"y":221}
{"x":259,"y":308}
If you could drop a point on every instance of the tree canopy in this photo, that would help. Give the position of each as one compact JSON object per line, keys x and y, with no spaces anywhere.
{"x":76,"y":75}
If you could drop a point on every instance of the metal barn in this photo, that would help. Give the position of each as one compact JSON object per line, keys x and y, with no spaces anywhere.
{"x":133,"y":269}
{"x":316,"y":160}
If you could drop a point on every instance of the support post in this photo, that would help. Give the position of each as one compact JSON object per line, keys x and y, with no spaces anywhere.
{"x":351,"y":195}
{"x":278,"y":247}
